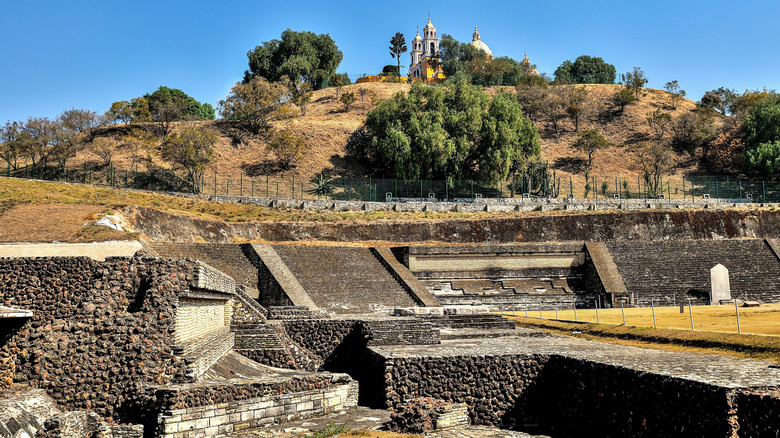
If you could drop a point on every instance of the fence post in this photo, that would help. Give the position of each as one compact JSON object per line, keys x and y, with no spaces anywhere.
{"x":763,"y":191}
{"x":267,"y":188}
{"x":293,"y":186}
{"x":571,"y":186}
{"x":598,"y":321}
{"x":652,"y":306}
{"x":540,"y":309}
{"x":215,"y":185}
{"x":575,"y":310}
{"x":736,"y":306}
{"x":344,"y":185}
{"x":623,"y":312}
{"x":241,"y":184}
{"x":421,"y":190}
{"x":252,"y":193}
{"x":690,"y":312}
{"x":472,"y":189}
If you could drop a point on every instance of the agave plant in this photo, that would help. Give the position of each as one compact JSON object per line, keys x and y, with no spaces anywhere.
{"x":323,"y":186}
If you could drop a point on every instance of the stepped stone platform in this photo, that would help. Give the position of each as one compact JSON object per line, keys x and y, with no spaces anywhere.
{"x":344,"y":279}
{"x":228,"y":258}
{"x":670,"y":272}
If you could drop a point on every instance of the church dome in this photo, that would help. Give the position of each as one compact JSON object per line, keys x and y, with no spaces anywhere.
{"x":429,"y":23}
{"x":477,"y":42}
{"x":418,"y":37}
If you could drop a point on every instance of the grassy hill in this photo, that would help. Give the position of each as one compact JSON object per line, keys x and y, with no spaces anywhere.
{"x":326,"y":128}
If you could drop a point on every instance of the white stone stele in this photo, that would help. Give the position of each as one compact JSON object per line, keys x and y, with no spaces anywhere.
{"x":719,"y":281}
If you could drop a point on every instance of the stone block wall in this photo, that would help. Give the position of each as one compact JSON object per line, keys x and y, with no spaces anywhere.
{"x":571,"y":397}
{"x":758,"y":412}
{"x":208,"y":278}
{"x":223,"y":409}
{"x":489,"y":385}
{"x":197,"y":317}
{"x":101,"y":332}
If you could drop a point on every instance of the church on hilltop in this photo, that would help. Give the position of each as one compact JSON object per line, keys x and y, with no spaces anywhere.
{"x":425,"y":65}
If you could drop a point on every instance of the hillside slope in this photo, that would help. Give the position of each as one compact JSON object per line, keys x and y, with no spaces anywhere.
{"x":326,"y":128}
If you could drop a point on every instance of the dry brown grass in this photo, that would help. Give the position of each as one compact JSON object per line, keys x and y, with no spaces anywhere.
{"x":326,"y":128}
{"x":759,"y":338}
{"x":46,"y":211}
{"x":764,"y":320}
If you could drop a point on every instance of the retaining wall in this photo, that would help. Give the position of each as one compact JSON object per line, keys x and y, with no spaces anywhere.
{"x":223,"y":409}
{"x":601,"y":226}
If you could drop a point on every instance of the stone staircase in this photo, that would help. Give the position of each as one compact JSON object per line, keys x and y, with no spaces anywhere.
{"x":344,"y":279}
{"x":670,"y":272}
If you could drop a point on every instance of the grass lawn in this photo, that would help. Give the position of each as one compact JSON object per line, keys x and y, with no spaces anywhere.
{"x":764,"y":320}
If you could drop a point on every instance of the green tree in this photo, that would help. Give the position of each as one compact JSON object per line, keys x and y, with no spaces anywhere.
{"x":744,"y":103}
{"x":168,"y":105}
{"x":192,"y":149}
{"x":129,"y":112}
{"x":288,"y":147}
{"x":624,"y":96}
{"x":763,"y":160}
{"x":453,"y":132}
{"x":397,"y":48}
{"x":301,"y":56}
{"x":585,"y":70}
{"x":762,"y":124}
{"x":563,"y":74}
{"x":719,"y":100}
{"x":347,"y":99}
{"x":675,"y":93}
{"x":635,"y":81}
{"x":590,"y":141}
{"x":258,"y":103}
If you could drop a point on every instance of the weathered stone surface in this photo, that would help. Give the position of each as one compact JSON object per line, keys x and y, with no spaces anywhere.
{"x":569,"y":387}
{"x":719,"y":282}
{"x":607,"y":226}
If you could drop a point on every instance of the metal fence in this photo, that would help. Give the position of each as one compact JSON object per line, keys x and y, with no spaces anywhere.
{"x":596,"y":314}
{"x":340,"y":187}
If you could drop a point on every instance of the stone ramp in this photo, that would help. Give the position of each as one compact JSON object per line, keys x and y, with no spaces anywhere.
{"x":228,"y":258}
{"x":673,"y":271}
{"x":344,"y":279}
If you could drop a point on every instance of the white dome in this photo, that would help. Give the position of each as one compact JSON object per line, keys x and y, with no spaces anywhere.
{"x":477,"y":42}
{"x":481,"y":46}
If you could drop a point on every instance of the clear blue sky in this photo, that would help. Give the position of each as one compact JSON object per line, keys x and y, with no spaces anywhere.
{"x":87,"y":54}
